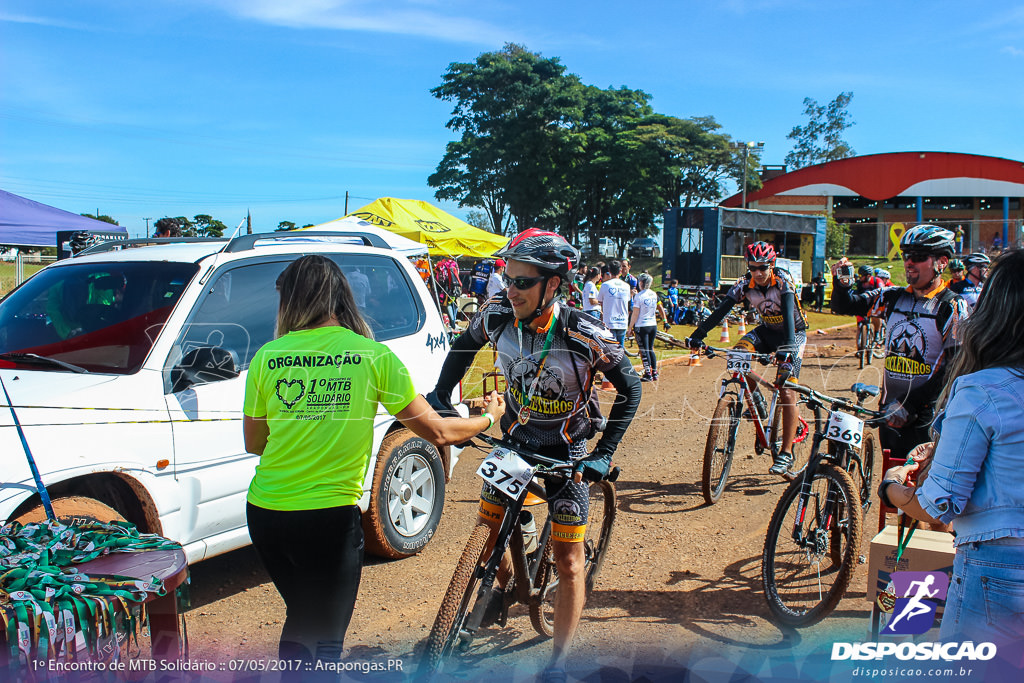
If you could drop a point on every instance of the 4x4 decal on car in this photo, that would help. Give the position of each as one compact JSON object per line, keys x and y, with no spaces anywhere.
{"x":435,"y":342}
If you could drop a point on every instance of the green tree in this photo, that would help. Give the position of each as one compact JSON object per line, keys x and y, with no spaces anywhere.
{"x":205,"y":225}
{"x":514,"y":111}
{"x":173,"y":227}
{"x":284,"y":225}
{"x":837,"y":238}
{"x":821,"y":138}
{"x":479,"y":219}
{"x":105,"y":218}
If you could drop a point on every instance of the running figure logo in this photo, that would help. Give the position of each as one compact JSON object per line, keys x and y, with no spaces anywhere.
{"x":916,"y":593}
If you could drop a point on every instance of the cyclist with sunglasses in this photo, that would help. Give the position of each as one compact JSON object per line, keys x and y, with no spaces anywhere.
{"x":921,"y":323}
{"x":970,"y":286}
{"x":549,"y":353}
{"x":783,"y":330}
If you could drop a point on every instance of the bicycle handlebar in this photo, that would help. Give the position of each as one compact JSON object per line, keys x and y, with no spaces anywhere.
{"x":762,"y":358}
{"x":874,"y":416}
{"x":550,"y":464}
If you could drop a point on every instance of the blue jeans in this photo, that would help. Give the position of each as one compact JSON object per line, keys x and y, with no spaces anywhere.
{"x":620,"y":336}
{"x":985,"y":602}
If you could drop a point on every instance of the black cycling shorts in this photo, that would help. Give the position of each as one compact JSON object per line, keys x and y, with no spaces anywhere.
{"x":763,"y":339}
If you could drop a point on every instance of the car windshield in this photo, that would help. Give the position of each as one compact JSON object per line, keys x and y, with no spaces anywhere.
{"x":101,"y":317}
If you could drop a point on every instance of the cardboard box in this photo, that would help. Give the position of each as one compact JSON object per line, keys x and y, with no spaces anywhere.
{"x":928,"y":551}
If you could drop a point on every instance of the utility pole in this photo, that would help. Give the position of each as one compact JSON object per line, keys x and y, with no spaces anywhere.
{"x":746,"y":147}
{"x":147,"y":225}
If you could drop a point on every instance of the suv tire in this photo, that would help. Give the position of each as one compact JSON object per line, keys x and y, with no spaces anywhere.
{"x":73,"y":507}
{"x":407,"y":496}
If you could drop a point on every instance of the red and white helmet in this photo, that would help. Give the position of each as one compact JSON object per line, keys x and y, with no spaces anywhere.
{"x":760,"y":252}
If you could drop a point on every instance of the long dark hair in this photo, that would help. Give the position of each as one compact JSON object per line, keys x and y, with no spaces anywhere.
{"x":313,"y":289}
{"x":993,"y":334}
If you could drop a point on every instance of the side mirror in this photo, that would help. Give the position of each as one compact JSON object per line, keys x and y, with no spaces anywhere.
{"x":203,"y":365}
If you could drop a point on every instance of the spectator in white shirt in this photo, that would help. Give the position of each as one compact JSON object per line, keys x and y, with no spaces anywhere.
{"x":496,"y":281}
{"x":614,"y":301}
{"x":590,"y":302}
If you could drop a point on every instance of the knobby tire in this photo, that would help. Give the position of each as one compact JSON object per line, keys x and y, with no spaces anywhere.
{"x":720,"y":446}
{"x":796,"y":599}
{"x":461,"y":593}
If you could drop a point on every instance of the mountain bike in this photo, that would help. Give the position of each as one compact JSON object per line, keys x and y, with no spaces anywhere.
{"x":814,"y":535}
{"x":473,"y":596}
{"x":725,"y":422}
{"x":870,"y":344}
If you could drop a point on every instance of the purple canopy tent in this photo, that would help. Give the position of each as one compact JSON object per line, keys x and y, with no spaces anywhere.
{"x":25,"y":223}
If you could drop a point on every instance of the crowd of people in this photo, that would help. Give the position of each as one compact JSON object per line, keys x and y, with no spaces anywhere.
{"x":953,"y":387}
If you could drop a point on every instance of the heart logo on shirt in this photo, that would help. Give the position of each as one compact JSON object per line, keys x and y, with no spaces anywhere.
{"x":290,"y":391}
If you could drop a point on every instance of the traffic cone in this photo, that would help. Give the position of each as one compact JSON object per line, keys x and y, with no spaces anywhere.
{"x":743,"y":327}
{"x":724,"y":339}
{"x":694,"y":359}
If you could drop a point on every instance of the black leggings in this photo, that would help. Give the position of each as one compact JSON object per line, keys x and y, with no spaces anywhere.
{"x":645,"y":341}
{"x":315,"y":559}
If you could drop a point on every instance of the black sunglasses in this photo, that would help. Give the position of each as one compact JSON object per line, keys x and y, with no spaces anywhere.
{"x":522,"y":283}
{"x":759,"y":269}
{"x":916,"y":257}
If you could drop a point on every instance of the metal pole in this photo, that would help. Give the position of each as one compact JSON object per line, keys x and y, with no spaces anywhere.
{"x":746,"y":151}
{"x":346,"y":202}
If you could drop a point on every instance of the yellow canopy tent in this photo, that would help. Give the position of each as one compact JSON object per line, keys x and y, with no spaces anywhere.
{"x":443,"y":233}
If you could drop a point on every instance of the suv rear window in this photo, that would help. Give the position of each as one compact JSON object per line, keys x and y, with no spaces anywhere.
{"x":102,"y":317}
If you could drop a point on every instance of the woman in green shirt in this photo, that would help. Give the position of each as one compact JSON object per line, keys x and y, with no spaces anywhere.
{"x":311,"y":396}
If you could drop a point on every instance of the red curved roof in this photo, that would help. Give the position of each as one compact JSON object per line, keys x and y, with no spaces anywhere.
{"x":881,"y":176}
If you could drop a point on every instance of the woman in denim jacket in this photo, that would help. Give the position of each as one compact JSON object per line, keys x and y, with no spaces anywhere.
{"x":976,"y":475}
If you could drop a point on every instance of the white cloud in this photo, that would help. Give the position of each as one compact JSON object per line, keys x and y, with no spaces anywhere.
{"x":408,"y":17}
{"x":1013,"y":51}
{"x":40,"y":21}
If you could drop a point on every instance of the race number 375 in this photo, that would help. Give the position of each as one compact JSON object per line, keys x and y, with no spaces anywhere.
{"x":845,"y":428}
{"x":506,"y":471}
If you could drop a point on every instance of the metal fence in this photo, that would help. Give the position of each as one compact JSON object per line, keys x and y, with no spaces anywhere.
{"x":19,"y":269}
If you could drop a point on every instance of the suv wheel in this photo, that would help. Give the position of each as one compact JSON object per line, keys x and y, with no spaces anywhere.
{"x":73,"y":510}
{"x":407,"y":496}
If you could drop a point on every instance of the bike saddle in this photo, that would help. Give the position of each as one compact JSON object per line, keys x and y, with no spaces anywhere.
{"x":864,"y":390}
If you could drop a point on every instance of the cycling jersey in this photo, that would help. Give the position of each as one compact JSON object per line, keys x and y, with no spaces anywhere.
{"x":563,"y":408}
{"x":776,"y":303}
{"x":920,"y":338}
{"x":968,"y":290}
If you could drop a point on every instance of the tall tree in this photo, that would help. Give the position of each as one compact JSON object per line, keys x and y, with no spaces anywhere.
{"x":514,"y":110}
{"x":284,"y":226}
{"x":102,"y":217}
{"x":205,"y":225}
{"x":821,"y":138}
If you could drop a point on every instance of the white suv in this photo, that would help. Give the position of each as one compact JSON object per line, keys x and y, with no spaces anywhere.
{"x":126,"y":368}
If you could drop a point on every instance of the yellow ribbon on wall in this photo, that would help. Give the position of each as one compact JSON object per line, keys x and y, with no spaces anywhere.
{"x":896,"y":231}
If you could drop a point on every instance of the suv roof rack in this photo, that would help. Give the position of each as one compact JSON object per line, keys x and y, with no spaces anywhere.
{"x":114,"y":245}
{"x":245,"y":242}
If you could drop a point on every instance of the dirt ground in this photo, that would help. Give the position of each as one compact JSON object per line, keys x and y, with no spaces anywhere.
{"x":681,"y":582}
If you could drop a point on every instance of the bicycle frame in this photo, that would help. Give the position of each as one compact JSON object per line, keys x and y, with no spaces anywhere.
{"x":509,"y":536}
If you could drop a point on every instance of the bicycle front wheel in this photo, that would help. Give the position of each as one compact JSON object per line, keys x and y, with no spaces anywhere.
{"x":600,"y":521}
{"x":720,"y":446}
{"x":863,"y":345}
{"x":446,"y":635}
{"x":803,"y":575}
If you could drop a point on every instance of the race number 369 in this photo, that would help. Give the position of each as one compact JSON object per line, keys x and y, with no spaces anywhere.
{"x":506,"y":471}
{"x":845,"y":428}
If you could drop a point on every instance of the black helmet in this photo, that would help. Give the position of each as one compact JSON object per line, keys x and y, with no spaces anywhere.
{"x":930,"y":239}
{"x":545,"y":250}
{"x":979,"y":260}
{"x":866,"y":270}
{"x":956,"y":265}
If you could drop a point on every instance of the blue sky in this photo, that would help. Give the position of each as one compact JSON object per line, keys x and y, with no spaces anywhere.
{"x":281,"y":106}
